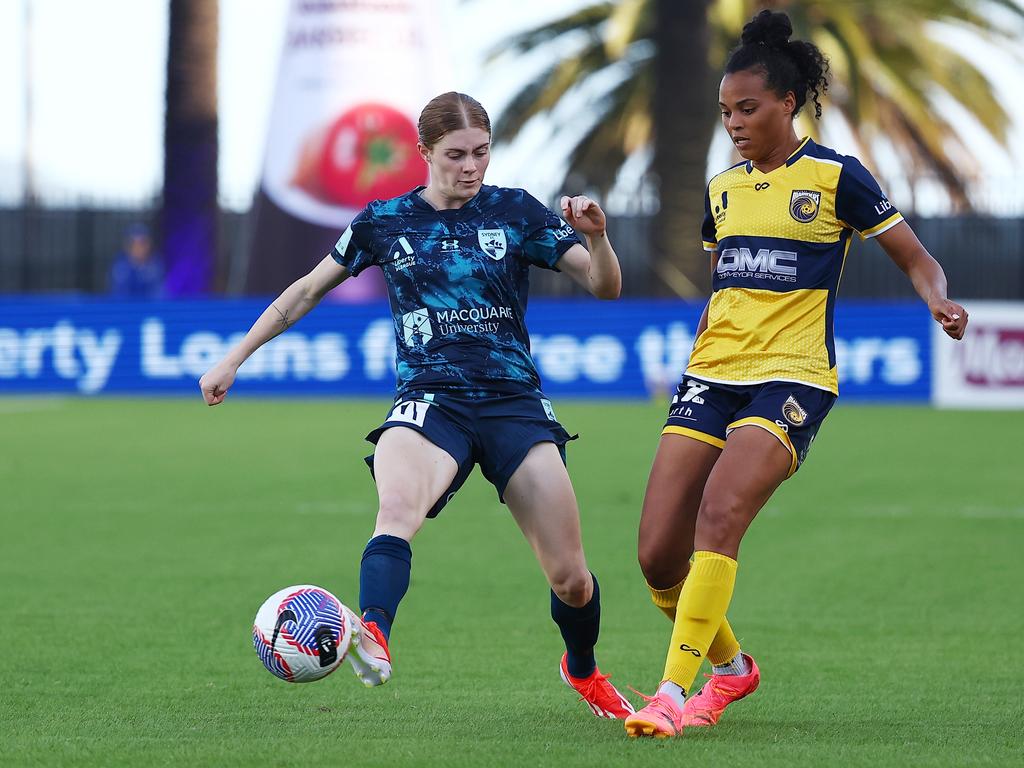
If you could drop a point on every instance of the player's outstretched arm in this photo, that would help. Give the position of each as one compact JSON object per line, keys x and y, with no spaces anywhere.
{"x":926,"y":274}
{"x":597,"y":270}
{"x":286,"y":310}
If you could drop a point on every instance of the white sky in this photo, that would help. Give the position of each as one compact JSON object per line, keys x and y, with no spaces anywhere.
{"x":98,"y":72}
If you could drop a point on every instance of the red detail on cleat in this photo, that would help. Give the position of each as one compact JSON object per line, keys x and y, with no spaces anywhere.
{"x":378,"y":637}
{"x":599,"y":694}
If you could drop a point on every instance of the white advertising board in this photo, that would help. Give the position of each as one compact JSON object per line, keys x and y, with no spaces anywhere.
{"x":986,"y":368}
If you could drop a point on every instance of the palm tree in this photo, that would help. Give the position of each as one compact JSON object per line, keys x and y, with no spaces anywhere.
{"x":658,"y":62}
{"x":190,"y":209}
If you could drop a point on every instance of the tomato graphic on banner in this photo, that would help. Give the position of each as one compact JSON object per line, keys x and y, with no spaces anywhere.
{"x":352,"y":80}
{"x":368,"y":153}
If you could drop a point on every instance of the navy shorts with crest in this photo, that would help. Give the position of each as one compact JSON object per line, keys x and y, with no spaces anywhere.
{"x":708,"y":412}
{"x":495,"y":432}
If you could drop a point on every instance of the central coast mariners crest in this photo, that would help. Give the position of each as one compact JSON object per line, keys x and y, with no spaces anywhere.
{"x":794,"y":412}
{"x":804,"y":204}
{"x":416,"y":327}
{"x":492,"y":242}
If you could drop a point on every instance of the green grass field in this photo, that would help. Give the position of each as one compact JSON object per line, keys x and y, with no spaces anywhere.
{"x":880,"y":591}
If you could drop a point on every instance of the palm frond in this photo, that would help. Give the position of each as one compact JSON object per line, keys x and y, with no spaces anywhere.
{"x":588,"y":20}
{"x":545,"y":91}
{"x":888,"y":69}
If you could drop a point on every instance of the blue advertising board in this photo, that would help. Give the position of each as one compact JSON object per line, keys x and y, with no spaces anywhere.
{"x":582,"y":348}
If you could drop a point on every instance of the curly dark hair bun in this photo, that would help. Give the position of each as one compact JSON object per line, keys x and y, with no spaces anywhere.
{"x":768,"y":27}
{"x":787,"y":65}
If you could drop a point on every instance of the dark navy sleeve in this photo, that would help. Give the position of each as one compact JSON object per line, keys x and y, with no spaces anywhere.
{"x":708,"y":231}
{"x":547,"y":237}
{"x":354,"y":249}
{"x":860,"y":202}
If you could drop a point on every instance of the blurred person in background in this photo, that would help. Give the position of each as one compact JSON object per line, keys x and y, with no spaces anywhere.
{"x":762,"y":374}
{"x":456,"y":257}
{"x":138,"y":271}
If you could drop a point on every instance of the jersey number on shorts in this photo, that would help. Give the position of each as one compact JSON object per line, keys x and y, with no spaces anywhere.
{"x":409,"y":412}
{"x":694,"y":389}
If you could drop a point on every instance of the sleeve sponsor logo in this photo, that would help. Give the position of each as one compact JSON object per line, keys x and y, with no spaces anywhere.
{"x":565,"y":231}
{"x":343,"y":241}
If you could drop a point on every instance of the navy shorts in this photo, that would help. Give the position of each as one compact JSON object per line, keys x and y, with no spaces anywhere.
{"x":708,"y":412}
{"x":495,"y":432}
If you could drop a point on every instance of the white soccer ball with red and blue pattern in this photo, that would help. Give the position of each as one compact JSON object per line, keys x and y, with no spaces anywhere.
{"x":302,"y":633}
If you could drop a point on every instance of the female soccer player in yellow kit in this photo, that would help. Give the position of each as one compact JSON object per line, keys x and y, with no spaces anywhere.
{"x":762,"y":374}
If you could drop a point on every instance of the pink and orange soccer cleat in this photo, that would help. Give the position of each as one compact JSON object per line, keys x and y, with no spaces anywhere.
{"x":369,"y":654}
{"x":597,"y":692}
{"x":661,"y":718}
{"x":707,"y":705}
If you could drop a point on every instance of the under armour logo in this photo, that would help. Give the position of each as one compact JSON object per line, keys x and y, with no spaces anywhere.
{"x":761,"y":185}
{"x":688,"y":649}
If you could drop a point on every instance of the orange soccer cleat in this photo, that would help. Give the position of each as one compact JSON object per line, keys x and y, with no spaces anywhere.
{"x":661,"y":718}
{"x":707,"y":705}
{"x":597,"y":692}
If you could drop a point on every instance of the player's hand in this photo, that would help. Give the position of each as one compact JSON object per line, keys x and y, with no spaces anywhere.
{"x":216,"y":382}
{"x":584,"y":214}
{"x":950,"y":315}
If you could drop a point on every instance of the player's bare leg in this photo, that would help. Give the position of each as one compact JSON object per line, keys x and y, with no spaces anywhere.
{"x":411,"y":474}
{"x":752,"y":465}
{"x":678,"y":475}
{"x":540,"y":496}
{"x":542,"y":501}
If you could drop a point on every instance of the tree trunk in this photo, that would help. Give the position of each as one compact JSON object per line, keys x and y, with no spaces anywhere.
{"x":684,"y":111}
{"x":190,"y":208}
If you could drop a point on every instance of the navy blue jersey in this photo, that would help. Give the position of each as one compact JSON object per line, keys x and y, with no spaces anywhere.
{"x":458,"y":282}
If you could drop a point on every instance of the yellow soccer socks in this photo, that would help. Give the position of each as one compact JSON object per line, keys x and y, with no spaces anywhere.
{"x":723,"y":648}
{"x":703,"y":602}
{"x":667,"y":599}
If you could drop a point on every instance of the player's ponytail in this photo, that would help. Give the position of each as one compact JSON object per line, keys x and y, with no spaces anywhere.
{"x":788,"y":65}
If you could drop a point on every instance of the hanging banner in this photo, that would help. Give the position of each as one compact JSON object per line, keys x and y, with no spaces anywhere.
{"x":986,"y":368}
{"x":353,"y":77}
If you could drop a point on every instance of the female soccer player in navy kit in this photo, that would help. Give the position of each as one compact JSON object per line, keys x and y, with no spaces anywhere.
{"x":761,"y":377}
{"x":456,"y":256}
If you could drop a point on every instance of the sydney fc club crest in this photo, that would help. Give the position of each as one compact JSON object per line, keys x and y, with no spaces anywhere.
{"x":803,"y":205}
{"x":492,"y":242}
{"x":416,"y":327}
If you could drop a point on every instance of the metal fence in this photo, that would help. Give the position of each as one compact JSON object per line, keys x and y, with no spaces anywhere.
{"x":71,"y":250}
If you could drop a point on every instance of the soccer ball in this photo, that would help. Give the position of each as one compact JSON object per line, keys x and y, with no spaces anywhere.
{"x":302,"y":633}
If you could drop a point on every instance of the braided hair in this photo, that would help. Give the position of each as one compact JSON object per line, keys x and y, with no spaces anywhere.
{"x":787,"y":65}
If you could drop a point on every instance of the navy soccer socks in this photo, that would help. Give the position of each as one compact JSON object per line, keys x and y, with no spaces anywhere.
{"x":579,"y":628}
{"x":384,"y":579}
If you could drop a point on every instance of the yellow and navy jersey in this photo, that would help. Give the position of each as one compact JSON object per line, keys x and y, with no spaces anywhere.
{"x":782,"y":238}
